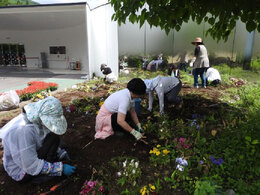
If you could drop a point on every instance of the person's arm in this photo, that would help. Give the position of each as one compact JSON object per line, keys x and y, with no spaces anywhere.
{"x":121,"y":121}
{"x":160,"y":94}
{"x":52,"y":169}
{"x":150,"y":101}
{"x":197,"y":51}
{"x":134,"y":115}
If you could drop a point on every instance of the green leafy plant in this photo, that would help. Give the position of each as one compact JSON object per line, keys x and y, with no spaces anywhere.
{"x":206,"y":188}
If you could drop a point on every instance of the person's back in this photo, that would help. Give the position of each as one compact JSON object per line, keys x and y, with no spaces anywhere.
{"x":213,"y":76}
{"x":26,"y":135}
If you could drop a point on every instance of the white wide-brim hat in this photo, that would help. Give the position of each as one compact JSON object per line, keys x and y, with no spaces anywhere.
{"x":197,"y":40}
{"x":49,"y":112}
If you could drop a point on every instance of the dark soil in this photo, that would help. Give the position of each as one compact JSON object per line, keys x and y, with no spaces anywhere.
{"x":88,"y":153}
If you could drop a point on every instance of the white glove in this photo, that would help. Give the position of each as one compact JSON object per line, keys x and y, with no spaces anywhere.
{"x":192,"y":61}
{"x":137,"y":134}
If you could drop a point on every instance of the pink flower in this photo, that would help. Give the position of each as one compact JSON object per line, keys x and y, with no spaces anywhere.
{"x":182,"y":140}
{"x":91,"y":184}
{"x":186,"y":146}
{"x":101,"y":189}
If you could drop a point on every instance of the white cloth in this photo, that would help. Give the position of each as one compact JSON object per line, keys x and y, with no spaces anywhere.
{"x":111,"y":77}
{"x":21,"y":140}
{"x":119,"y":101}
{"x":212,"y":74}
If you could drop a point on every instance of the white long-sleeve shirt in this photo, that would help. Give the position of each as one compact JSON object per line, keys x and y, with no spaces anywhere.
{"x":21,"y":140}
{"x":212,"y":74}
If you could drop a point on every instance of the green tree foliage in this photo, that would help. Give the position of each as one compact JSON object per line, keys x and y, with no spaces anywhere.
{"x":170,"y":14}
{"x":16,"y":2}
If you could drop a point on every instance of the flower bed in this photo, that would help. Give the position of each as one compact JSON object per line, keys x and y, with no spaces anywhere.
{"x":35,"y":87}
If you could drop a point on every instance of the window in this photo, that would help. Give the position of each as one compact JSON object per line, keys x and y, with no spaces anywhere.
{"x":57,"y":50}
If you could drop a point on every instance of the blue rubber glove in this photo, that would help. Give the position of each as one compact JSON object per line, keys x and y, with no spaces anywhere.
{"x":68,"y":169}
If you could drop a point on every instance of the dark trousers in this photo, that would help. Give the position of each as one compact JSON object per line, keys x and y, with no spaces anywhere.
{"x":47,"y":152}
{"x":183,"y":66}
{"x":116,"y":127}
{"x":172,"y":96}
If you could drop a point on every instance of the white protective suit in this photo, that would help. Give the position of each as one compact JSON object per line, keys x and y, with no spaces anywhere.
{"x":20,"y":147}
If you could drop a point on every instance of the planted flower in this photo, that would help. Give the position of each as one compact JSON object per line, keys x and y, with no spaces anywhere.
{"x":40,"y":96}
{"x":92,"y":187}
{"x":181,"y":163}
{"x":218,"y":161}
{"x":35,"y":87}
{"x":161,"y":155}
{"x":71,"y":108}
{"x":182,"y":143}
{"x":148,"y":190}
{"x":128,"y":171}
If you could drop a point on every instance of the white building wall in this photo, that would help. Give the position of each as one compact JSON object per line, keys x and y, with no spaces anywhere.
{"x":35,"y":42}
{"x":102,"y":38}
{"x":139,"y":41}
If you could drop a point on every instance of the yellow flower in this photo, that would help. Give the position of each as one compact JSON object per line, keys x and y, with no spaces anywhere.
{"x":101,"y":103}
{"x":158,"y":146}
{"x":152,"y":188}
{"x":143,"y":190}
{"x":87,"y":88}
{"x":96,"y":112}
{"x":157,"y":153}
{"x":213,"y":132}
{"x":165,"y":151}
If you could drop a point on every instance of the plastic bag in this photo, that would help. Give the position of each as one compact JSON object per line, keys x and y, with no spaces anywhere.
{"x":9,"y":100}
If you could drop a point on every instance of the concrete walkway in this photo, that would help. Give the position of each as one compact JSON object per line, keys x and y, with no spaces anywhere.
{"x":12,"y":78}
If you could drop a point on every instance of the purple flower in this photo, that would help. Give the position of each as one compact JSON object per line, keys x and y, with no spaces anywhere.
{"x":201,"y":162}
{"x":181,"y":161}
{"x":216,"y":161}
{"x":194,"y":122}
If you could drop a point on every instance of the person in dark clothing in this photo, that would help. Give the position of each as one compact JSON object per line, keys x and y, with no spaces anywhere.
{"x":109,"y":75}
{"x":173,"y":71}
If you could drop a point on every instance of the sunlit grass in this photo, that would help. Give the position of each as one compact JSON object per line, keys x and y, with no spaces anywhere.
{"x":237,"y":72}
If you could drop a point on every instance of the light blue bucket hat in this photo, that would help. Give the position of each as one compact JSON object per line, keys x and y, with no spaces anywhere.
{"x":49,"y":111}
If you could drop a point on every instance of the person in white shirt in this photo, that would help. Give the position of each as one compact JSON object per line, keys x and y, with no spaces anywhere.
{"x":118,"y":110}
{"x":213,"y":77}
